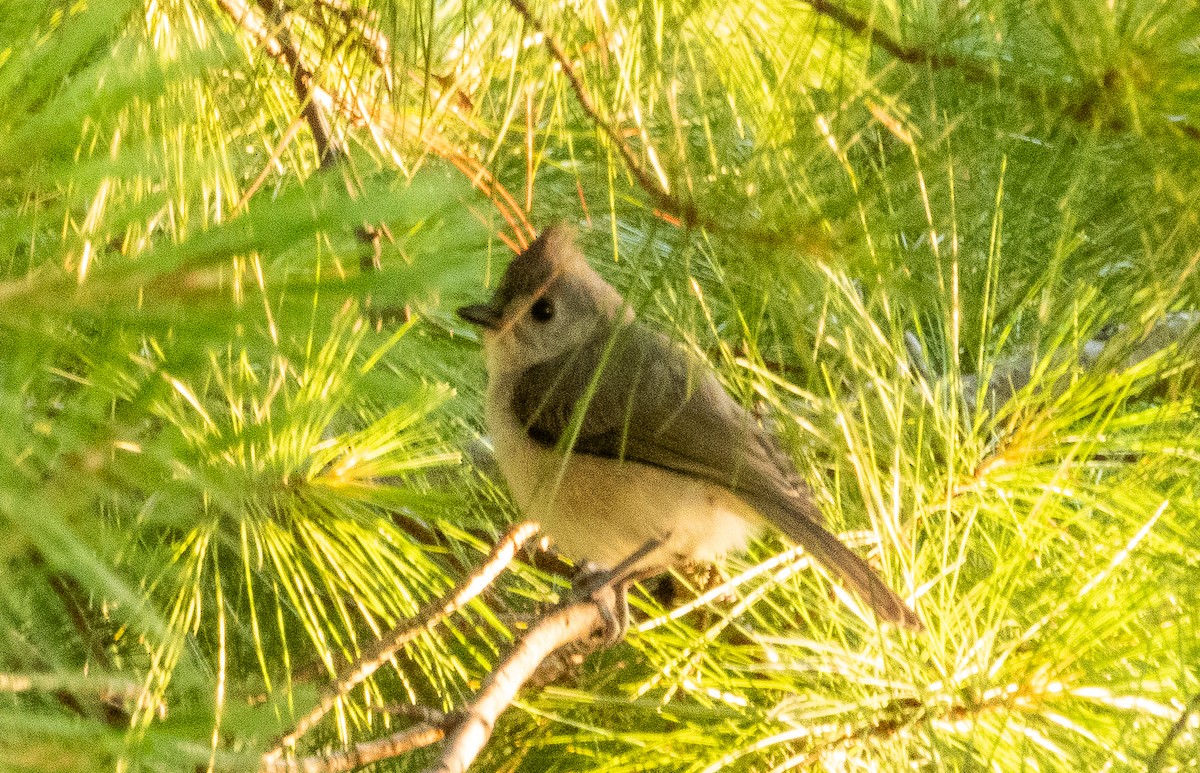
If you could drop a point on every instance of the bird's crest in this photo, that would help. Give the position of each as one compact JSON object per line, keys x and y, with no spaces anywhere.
{"x":551,"y":255}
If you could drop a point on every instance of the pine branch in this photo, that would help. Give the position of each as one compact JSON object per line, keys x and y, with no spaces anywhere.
{"x":429,"y":617}
{"x":470,"y":728}
{"x":365,"y":22}
{"x":111,"y":688}
{"x":1081,"y":106}
{"x":356,"y":112}
{"x":328,"y":150}
{"x":279,"y":45}
{"x":656,"y":189}
{"x":669,"y":207}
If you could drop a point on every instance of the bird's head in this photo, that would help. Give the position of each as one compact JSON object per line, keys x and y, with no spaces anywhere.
{"x":549,"y":302}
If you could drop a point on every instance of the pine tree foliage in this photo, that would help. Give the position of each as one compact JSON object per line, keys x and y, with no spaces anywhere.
{"x":947,"y":250}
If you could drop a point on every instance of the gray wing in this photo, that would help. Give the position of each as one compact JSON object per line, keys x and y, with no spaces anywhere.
{"x":645,"y":400}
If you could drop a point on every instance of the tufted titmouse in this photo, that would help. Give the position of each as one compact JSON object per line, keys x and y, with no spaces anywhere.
{"x":625,"y":448}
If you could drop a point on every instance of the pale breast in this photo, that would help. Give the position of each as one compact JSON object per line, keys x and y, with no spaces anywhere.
{"x":602,"y":510}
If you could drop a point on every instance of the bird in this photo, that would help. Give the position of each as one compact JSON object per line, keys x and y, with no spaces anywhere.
{"x":624,"y":445}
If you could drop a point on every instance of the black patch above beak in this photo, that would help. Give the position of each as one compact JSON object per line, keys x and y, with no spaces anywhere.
{"x":481,"y":314}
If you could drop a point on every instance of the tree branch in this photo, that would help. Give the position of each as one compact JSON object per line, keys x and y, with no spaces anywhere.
{"x":278,"y":44}
{"x":108,"y":687}
{"x":308,"y":92}
{"x":360,"y":754}
{"x":425,"y":620}
{"x":1014,"y":373}
{"x":576,"y":622}
{"x":906,"y":54}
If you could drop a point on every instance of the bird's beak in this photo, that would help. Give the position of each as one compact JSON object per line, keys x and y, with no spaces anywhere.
{"x":481,"y":314}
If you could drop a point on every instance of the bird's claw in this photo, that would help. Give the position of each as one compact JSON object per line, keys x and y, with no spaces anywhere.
{"x":609,"y":589}
{"x":609,"y":592}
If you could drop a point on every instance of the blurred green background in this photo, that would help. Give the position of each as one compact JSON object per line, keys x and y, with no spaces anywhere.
{"x":946,"y":249}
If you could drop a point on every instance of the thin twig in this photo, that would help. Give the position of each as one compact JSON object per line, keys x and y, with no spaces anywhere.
{"x":69,"y":593}
{"x":356,"y":112}
{"x":577,"y":622}
{"x":276,"y":154}
{"x":114,"y":692}
{"x":107,"y":687}
{"x":423,"y":714}
{"x":302,"y":79}
{"x":1160,"y":755}
{"x":278,"y":44}
{"x":663,"y":198}
{"x":360,"y":754}
{"x":670,"y":208}
{"x":426,"y":619}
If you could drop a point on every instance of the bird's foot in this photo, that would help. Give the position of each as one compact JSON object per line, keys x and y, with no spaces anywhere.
{"x":609,"y":589}
{"x":610,"y":596}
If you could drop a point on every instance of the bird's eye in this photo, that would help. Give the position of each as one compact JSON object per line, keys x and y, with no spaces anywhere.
{"x":542,"y":310}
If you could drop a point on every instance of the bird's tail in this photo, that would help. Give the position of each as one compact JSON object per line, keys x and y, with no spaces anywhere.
{"x":805,"y":530}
